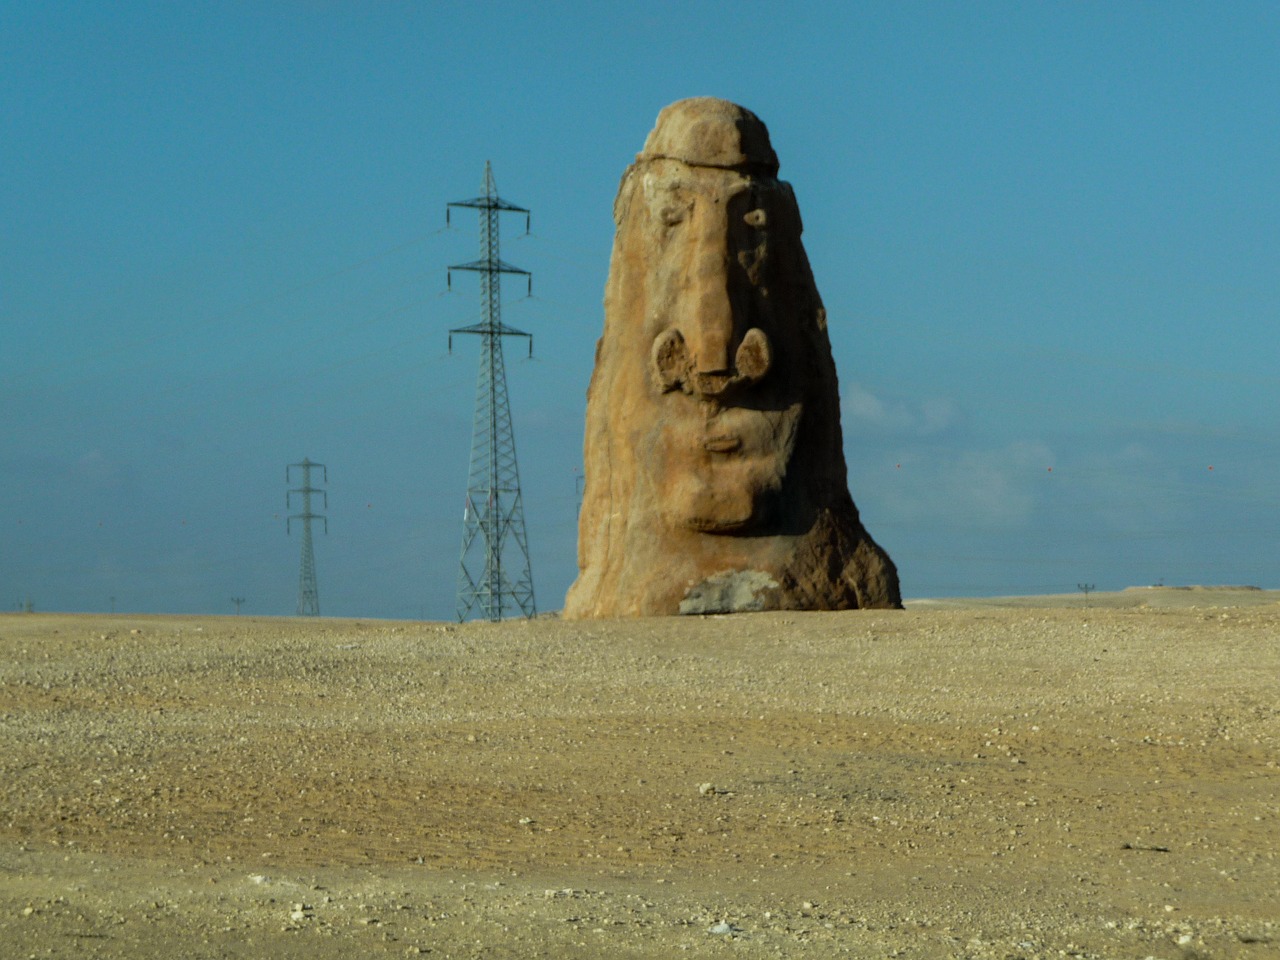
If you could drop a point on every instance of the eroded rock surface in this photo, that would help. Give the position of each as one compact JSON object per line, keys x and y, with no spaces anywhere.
{"x":715,"y":473}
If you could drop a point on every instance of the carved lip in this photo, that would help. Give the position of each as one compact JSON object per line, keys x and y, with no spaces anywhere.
{"x":725,"y":443}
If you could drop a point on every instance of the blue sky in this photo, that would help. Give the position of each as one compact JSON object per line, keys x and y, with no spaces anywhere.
{"x":1047,"y":236}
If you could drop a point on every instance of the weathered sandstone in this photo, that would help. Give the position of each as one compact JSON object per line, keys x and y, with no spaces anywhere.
{"x":715,"y":473}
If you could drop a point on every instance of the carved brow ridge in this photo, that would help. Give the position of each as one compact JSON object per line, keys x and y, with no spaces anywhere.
{"x":691,"y":191}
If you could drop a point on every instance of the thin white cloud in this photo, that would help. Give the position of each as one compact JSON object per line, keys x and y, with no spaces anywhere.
{"x":988,"y":489}
{"x":862,"y":409}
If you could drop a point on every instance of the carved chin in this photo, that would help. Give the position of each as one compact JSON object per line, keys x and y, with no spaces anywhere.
{"x":718,"y":492}
{"x":704,"y":508}
{"x":719,"y":471}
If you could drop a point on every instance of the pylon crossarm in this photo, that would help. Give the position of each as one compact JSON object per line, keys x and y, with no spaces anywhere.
{"x":489,"y":266}
{"x":498,"y":330}
{"x":488,"y":203}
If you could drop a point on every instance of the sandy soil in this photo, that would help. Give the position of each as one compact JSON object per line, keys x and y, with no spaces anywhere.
{"x":1000,"y":779}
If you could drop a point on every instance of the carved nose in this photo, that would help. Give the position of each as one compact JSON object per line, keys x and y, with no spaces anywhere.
{"x":705,"y":353}
{"x":709,"y":324}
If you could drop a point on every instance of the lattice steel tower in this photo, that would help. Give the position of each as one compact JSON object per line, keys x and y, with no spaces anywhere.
{"x":494,"y":577}
{"x":308,"y":593}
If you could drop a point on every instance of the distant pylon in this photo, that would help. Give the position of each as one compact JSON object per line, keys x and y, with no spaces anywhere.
{"x":308,"y":592}
{"x":494,"y":546}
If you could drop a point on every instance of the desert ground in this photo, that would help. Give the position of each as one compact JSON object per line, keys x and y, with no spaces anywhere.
{"x":1009,"y":778}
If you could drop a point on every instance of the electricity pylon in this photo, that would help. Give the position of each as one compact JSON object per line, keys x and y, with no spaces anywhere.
{"x":494,"y":577}
{"x":308,"y":592}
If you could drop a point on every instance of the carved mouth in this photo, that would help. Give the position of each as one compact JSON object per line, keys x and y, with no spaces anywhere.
{"x":722,"y":444}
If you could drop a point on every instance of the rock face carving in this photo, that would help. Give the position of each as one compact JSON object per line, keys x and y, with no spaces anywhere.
{"x":715,"y":473}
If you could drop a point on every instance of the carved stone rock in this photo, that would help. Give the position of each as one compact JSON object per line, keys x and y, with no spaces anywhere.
{"x":715,"y":473}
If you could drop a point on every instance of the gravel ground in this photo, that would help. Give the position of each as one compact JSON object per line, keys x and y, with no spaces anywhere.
{"x":1001,"y":779}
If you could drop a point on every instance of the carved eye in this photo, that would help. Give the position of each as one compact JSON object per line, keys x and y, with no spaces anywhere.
{"x":756,"y":218}
{"x":673,"y":213}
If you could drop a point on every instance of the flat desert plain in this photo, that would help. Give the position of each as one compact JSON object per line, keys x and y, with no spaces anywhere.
{"x":1014,"y":778}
